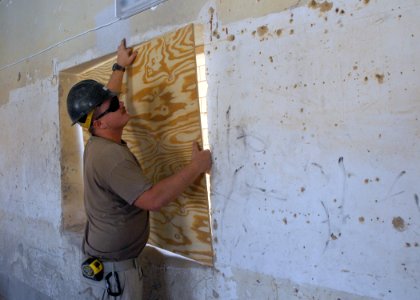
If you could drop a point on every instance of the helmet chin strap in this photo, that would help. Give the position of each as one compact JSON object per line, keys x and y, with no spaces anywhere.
{"x":88,"y":121}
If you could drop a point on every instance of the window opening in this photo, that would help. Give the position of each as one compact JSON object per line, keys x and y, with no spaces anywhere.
{"x":202,"y":96}
{"x":199,"y":246}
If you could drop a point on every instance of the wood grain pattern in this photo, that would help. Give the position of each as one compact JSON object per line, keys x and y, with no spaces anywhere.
{"x":162,"y":97}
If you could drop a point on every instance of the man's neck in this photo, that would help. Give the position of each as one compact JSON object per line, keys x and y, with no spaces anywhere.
{"x":110,"y":135}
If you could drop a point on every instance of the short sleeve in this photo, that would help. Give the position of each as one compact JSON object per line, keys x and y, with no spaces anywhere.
{"x":128,"y":181}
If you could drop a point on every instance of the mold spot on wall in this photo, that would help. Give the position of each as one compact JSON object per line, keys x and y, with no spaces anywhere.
{"x":398,"y":223}
{"x":361,"y":220}
{"x":215,"y":224}
{"x":19,"y":76}
{"x":339,"y":11}
{"x":380,"y":78}
{"x":285,"y":221}
{"x":262,"y":30}
{"x":366,"y":1}
{"x":279,"y":32}
{"x":231,"y":37}
{"x":323,"y":7}
{"x":216,"y":34}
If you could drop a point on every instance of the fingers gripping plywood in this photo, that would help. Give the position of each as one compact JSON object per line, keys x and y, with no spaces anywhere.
{"x":161,"y":95}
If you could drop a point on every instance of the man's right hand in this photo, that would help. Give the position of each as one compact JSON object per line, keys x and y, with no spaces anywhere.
{"x":168,"y":189}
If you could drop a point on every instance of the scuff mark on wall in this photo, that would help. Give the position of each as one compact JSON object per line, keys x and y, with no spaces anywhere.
{"x":328,"y":222}
{"x":214,"y":25}
{"x":228,"y":131}
{"x":344,"y":190}
{"x":238,"y":169}
{"x":390,"y":193}
{"x":211,"y":12}
{"x":252,"y":141}
{"x":416,"y":201}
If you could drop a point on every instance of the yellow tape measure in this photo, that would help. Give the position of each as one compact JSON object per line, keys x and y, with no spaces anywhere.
{"x":93,"y":268}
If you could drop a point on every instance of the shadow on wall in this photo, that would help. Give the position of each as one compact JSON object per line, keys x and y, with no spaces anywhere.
{"x":155,"y":262}
{"x":13,"y":289}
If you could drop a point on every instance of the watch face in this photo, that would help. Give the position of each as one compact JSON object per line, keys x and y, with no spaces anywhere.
{"x":117,"y":67}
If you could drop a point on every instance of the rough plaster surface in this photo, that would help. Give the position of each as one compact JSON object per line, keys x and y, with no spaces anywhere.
{"x":30,"y":178}
{"x":201,"y":282}
{"x":313,"y":116}
{"x":313,"y":121}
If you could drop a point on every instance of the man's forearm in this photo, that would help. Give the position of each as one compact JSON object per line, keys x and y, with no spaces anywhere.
{"x":168,"y":189}
{"x":115,"y":81}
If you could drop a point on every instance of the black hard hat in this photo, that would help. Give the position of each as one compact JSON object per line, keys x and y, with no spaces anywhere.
{"x":84,"y":97}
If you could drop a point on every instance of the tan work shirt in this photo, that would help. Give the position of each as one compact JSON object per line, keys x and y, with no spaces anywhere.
{"x":113,"y":179}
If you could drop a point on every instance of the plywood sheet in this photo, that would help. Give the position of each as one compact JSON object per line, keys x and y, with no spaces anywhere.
{"x":162,"y":96}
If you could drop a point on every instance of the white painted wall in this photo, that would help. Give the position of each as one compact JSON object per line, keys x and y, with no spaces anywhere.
{"x":314,"y":163}
{"x":313,"y":124}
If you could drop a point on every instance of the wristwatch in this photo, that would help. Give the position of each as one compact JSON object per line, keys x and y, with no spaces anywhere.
{"x":117,"y":67}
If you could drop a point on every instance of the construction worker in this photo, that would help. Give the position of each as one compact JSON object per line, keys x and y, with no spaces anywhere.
{"x":117,"y":195}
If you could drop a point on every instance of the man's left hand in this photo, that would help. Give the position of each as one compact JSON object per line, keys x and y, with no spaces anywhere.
{"x":125,"y":56}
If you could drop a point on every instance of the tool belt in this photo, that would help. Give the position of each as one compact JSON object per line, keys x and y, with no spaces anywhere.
{"x":93,"y":268}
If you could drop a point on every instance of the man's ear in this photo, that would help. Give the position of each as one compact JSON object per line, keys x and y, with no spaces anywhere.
{"x":99,"y":124}
{"x":95,"y":124}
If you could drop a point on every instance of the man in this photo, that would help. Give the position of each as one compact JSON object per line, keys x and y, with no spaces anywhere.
{"x":117,"y":195}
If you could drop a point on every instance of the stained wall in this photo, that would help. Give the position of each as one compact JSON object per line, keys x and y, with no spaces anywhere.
{"x":313,"y":123}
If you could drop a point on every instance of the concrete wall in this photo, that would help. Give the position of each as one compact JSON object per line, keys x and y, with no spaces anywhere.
{"x":313,"y":123}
